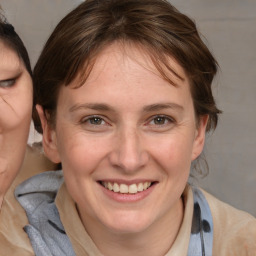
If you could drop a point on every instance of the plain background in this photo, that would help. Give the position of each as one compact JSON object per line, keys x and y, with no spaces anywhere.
{"x":229,"y":29}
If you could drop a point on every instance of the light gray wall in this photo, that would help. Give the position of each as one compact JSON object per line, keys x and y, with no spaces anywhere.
{"x":230,"y":29}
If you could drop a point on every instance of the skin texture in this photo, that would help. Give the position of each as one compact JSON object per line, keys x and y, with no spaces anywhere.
{"x":15,"y":115}
{"x":126,"y":124}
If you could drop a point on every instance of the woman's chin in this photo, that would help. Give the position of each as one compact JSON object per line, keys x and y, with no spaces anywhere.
{"x":128,"y":223}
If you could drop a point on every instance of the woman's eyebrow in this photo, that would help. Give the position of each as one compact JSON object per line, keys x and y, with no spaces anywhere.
{"x":106,"y":107}
{"x":93,"y":106}
{"x":161,"y":106}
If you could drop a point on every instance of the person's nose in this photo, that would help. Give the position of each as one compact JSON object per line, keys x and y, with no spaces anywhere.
{"x":129,"y":153}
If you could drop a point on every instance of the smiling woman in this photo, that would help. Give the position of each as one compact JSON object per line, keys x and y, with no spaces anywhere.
{"x":15,"y":104}
{"x":123,"y":94}
{"x":144,"y":132}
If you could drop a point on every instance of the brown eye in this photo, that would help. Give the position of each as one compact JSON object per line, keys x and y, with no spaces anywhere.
{"x":160,"y":120}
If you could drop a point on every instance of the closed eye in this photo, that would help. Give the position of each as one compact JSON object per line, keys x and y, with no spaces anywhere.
{"x":7,"y":83}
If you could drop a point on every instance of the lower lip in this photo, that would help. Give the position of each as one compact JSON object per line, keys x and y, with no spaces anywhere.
{"x":119,"y":197}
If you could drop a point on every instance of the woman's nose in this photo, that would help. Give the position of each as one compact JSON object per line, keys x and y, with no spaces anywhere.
{"x":129,"y":153}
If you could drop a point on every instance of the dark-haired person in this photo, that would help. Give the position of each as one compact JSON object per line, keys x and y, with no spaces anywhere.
{"x":16,"y":93}
{"x":16,"y":96}
{"x":123,"y":92}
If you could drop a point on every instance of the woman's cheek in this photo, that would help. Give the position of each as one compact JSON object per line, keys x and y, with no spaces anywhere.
{"x":15,"y":113}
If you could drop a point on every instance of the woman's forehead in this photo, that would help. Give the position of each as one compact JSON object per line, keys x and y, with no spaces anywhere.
{"x":117,"y":76}
{"x":125,"y":52}
{"x":10,"y":61}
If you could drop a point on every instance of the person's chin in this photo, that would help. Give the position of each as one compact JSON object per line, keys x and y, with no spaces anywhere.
{"x":128,"y":221}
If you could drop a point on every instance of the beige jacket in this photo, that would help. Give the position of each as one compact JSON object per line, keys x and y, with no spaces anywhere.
{"x":13,"y":240}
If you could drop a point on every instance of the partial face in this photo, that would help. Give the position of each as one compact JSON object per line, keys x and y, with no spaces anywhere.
{"x":126,"y":140}
{"x":15,"y":114}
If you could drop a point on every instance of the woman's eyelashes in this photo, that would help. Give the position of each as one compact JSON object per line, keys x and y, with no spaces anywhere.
{"x":160,"y":122}
{"x":94,"y":120}
{"x":7,"y":83}
{"x":94,"y":123}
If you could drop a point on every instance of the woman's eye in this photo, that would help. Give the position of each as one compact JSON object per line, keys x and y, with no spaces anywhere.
{"x":7,"y":83}
{"x":95,"y":120}
{"x":160,"y":120}
{"x":94,"y":124}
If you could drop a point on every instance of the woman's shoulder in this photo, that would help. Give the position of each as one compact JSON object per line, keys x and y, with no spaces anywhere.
{"x":234,"y":230}
{"x":11,"y":246}
{"x":13,"y":240}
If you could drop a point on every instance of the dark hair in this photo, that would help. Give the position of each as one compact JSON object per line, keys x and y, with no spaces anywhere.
{"x":11,"y":39}
{"x":155,"y":25}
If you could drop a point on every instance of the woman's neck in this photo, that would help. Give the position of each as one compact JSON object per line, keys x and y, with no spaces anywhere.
{"x":155,"y":240}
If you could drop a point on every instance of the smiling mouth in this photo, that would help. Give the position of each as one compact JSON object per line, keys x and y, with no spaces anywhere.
{"x":126,"y":189}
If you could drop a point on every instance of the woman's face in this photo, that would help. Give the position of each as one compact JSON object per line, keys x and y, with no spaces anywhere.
{"x":126,"y":139}
{"x":15,"y":114}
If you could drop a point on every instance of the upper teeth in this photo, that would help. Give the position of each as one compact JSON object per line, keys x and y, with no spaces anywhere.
{"x":123,"y":188}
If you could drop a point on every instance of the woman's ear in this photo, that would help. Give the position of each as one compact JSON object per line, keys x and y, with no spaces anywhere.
{"x":49,"y":137}
{"x":200,"y":136}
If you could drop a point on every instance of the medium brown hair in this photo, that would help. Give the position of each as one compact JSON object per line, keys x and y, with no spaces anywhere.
{"x":153,"y":24}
